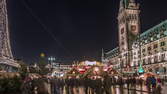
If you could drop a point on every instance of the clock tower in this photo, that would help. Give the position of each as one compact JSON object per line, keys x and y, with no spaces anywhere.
{"x":129,"y":28}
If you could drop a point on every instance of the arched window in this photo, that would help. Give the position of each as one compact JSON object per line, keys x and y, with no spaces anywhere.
{"x":149,"y":60}
{"x":155,"y":59}
{"x":144,"y":61}
{"x":162,"y":57}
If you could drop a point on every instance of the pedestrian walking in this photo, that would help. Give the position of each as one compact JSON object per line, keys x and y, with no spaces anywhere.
{"x":148,"y":83}
{"x":153,"y":82}
{"x":158,"y":89}
{"x":159,"y":81}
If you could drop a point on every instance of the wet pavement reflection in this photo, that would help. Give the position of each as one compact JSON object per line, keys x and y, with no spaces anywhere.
{"x":113,"y":90}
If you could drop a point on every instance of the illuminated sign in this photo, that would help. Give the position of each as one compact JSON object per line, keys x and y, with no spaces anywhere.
{"x":90,"y":63}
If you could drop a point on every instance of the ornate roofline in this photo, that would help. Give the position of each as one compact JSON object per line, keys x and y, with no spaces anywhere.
{"x":113,"y":50}
{"x":153,"y":28}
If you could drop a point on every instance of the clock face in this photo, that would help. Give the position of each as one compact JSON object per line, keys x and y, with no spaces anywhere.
{"x":133,"y":28}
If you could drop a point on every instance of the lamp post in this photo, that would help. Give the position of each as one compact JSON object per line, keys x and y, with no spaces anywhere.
{"x":50,"y":60}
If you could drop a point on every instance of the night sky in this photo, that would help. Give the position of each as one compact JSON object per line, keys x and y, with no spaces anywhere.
{"x":71,"y":29}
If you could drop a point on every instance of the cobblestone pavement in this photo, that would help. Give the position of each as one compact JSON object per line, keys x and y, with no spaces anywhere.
{"x":142,"y":91}
{"x":114,"y":90}
{"x":164,"y":89}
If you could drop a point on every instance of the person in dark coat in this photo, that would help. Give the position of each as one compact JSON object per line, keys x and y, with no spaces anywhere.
{"x":158,"y":89}
{"x":153,"y":82}
{"x":148,"y":83}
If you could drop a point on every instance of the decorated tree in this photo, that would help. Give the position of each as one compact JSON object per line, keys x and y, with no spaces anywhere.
{"x":42,"y":65}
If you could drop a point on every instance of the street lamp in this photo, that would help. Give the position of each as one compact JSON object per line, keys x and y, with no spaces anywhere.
{"x":51,"y":59}
{"x":96,"y":69}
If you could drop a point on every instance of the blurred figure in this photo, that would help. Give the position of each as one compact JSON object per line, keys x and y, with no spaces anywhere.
{"x":148,"y":83}
{"x":159,"y":89}
{"x":159,"y":81}
{"x":153,"y":82}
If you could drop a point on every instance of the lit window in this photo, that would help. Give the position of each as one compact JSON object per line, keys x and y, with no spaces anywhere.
{"x":122,"y":30}
{"x":143,"y":50}
{"x":134,"y":63}
{"x":149,"y":48}
{"x":158,"y":36}
{"x":155,"y":46}
{"x":149,"y":60}
{"x":162,"y":57}
{"x":162,"y":43}
{"x":138,"y":63}
{"x":144,"y":62}
{"x":155,"y":51}
{"x":155,"y":59}
{"x":163,"y":49}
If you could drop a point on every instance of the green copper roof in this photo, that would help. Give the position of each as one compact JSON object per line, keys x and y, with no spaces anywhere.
{"x":126,"y":3}
{"x":157,"y":32}
{"x":113,"y":50}
{"x":112,"y":53}
{"x":154,"y":28}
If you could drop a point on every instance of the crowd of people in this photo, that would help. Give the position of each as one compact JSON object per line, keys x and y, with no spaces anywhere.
{"x":154,"y":84}
{"x":57,"y":85}
{"x":104,"y":85}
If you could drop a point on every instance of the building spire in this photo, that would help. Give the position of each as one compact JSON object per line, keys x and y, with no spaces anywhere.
{"x":102,"y":55}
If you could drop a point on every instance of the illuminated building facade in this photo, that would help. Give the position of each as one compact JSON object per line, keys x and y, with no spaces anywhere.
{"x":148,"y":48}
